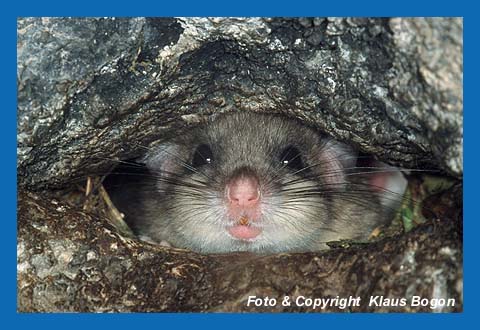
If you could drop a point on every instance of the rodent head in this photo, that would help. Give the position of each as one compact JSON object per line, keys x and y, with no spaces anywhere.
{"x":251,"y":182}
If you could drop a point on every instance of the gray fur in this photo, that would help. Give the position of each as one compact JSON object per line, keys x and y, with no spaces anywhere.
{"x":191,"y":213}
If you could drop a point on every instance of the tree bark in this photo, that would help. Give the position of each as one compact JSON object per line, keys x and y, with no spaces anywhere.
{"x":89,"y":88}
{"x":71,"y":261}
{"x":92,"y":90}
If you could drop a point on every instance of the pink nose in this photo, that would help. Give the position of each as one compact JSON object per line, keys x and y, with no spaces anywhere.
{"x":243,"y":191}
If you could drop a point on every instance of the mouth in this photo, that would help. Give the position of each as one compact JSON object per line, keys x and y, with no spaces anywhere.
{"x":244,"y":232}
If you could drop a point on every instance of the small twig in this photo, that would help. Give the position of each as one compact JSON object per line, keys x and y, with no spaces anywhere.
{"x":88,"y":189}
{"x":117,"y":217}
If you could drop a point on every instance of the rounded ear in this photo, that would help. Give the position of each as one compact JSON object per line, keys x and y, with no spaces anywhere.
{"x":164,"y":159}
{"x":389,"y":182}
{"x":336,"y":158}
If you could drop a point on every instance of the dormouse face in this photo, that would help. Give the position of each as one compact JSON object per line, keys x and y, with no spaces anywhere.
{"x":251,"y":182}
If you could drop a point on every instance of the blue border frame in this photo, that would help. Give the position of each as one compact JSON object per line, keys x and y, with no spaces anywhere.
{"x":246,"y":8}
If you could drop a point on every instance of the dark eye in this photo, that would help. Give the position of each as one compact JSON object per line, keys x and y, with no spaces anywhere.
{"x":291,"y":158}
{"x":202,"y":156}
